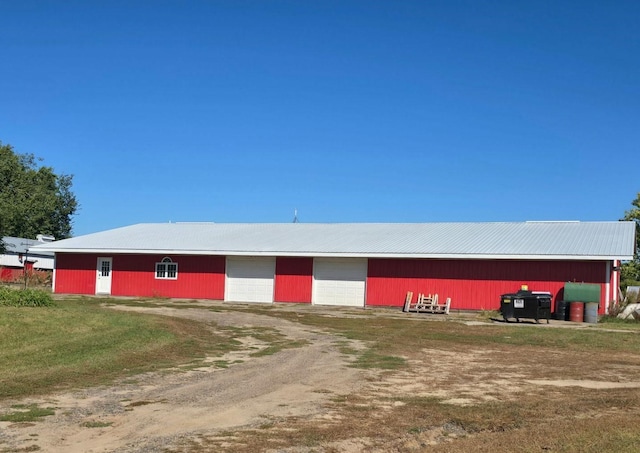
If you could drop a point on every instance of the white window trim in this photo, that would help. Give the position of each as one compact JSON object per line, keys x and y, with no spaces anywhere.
{"x":162,"y":268}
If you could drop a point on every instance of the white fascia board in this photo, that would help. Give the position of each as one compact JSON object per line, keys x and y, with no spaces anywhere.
{"x":311,"y":254}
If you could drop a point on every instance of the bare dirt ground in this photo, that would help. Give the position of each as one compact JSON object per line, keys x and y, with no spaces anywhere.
{"x":158,"y":411}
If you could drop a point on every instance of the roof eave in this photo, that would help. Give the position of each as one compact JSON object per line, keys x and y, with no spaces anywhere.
{"x":470,"y":256}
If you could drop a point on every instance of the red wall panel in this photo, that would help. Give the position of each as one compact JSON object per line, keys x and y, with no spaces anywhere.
{"x":294,"y":277}
{"x":474,"y":284}
{"x":75,"y":273}
{"x":199,"y":277}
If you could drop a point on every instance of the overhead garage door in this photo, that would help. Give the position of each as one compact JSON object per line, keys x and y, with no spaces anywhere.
{"x":339,"y":281}
{"x":249,"y":279}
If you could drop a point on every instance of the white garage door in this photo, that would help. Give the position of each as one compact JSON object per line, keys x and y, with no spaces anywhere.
{"x":339,"y":281}
{"x":249,"y":279}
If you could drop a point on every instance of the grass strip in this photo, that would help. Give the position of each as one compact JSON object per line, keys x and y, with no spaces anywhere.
{"x":79,"y":343}
{"x":26,"y":413}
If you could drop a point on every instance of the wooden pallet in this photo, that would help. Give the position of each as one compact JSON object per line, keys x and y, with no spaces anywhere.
{"x":426,"y":304}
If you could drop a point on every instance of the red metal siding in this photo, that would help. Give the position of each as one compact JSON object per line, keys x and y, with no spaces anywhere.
{"x":294,"y":277}
{"x":10,"y":274}
{"x":475,"y":284}
{"x":199,"y":277}
{"x":75,"y":273}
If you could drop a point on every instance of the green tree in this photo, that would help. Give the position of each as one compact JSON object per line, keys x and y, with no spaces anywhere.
{"x":33,"y":199}
{"x":630,"y":272}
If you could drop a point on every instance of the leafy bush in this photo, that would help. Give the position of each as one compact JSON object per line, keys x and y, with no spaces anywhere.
{"x":25,"y":298}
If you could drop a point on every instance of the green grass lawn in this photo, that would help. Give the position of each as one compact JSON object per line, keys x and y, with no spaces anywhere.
{"x":79,"y":343}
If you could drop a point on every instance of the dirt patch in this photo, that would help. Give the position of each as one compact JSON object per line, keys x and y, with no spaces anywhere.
{"x":586,"y":384}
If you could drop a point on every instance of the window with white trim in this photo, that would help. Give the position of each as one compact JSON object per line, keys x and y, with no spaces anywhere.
{"x":167,"y":269}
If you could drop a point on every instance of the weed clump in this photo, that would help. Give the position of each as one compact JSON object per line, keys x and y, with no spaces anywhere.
{"x":25,"y":298}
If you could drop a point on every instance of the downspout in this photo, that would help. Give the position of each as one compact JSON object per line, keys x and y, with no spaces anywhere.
{"x":609,"y":276}
{"x":53,"y":279}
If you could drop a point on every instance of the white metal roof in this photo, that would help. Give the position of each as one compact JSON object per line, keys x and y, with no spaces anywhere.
{"x":492,"y":240}
{"x":23,"y":245}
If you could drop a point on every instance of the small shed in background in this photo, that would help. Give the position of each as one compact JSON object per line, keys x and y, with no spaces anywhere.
{"x":19,"y":256}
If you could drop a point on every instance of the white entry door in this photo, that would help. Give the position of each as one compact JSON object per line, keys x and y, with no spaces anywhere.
{"x":250,"y":279}
{"x":339,"y":281}
{"x":103,"y":279}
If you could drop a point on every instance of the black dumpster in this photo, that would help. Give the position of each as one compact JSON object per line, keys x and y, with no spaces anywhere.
{"x":526,"y":304}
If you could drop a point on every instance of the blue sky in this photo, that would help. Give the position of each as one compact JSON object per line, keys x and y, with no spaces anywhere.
{"x":348,"y":111}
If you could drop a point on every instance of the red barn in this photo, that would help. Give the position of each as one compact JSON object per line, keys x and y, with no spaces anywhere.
{"x":344,"y":264}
